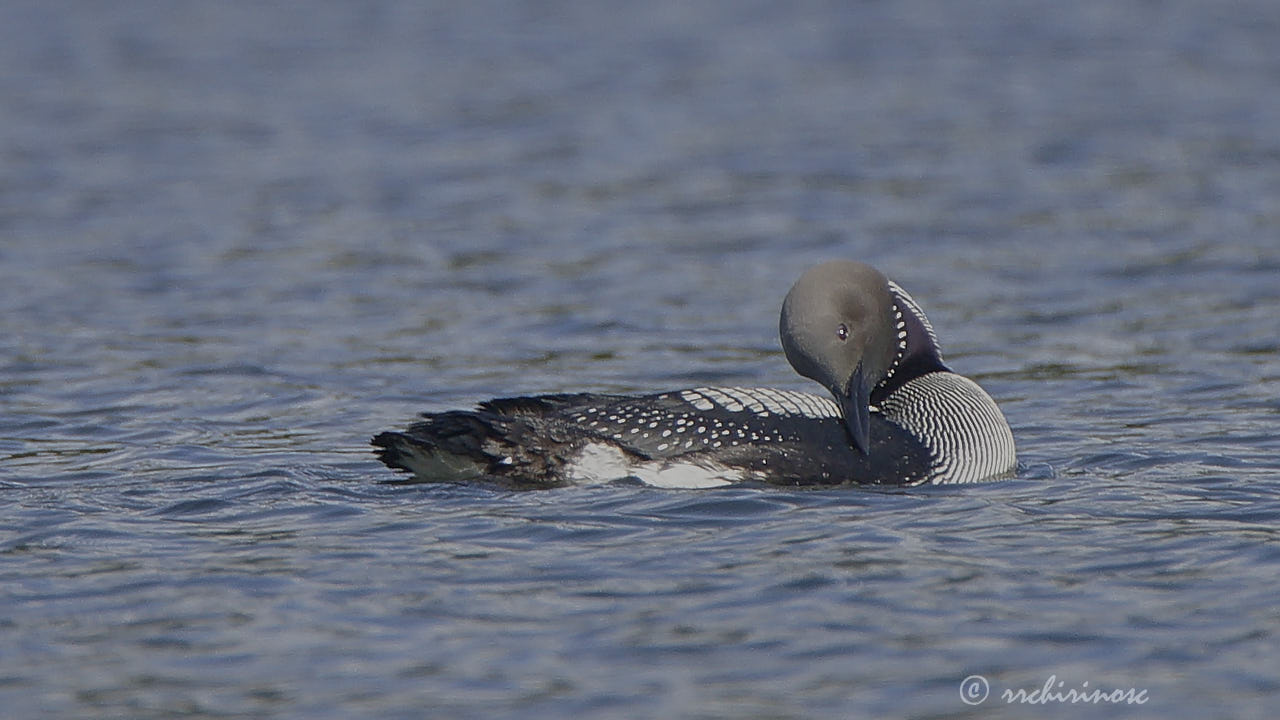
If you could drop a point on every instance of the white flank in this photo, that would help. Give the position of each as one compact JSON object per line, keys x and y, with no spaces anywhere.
{"x":683,"y":475}
{"x":600,"y":463}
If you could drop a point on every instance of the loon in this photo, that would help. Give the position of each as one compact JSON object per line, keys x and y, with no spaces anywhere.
{"x":896,"y":416}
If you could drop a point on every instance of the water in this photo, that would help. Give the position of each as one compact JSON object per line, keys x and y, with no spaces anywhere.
{"x":236,"y":240}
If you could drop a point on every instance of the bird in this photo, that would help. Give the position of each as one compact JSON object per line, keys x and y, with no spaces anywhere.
{"x":894,"y":414}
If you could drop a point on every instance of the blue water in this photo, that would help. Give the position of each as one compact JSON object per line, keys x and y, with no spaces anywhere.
{"x":238,"y":239}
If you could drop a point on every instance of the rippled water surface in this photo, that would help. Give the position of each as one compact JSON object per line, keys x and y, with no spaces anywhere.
{"x":238,"y":239}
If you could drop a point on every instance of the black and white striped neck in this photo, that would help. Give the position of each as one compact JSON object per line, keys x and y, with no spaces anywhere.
{"x":916,"y":353}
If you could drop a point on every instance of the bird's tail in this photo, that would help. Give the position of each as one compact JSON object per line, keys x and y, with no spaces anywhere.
{"x":443,"y":447}
{"x":463,"y":445}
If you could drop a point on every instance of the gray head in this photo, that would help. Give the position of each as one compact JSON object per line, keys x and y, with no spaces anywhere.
{"x":837,"y":328}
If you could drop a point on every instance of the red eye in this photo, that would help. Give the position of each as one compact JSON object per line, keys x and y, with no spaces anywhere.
{"x":842,"y":332}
